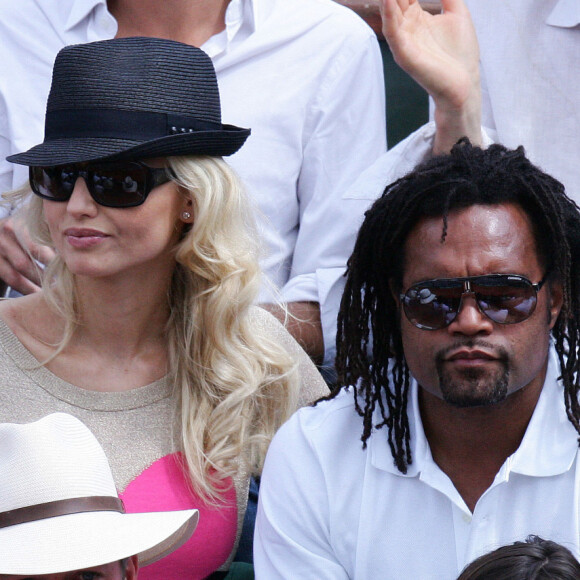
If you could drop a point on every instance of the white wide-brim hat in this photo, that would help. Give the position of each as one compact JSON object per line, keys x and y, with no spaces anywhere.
{"x":59,"y":509}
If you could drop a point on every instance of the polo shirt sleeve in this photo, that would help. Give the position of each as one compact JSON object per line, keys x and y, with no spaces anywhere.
{"x":292,"y":538}
{"x":345,"y":131}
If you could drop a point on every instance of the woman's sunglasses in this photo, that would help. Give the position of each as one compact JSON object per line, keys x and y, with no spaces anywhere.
{"x":121,"y":184}
{"x":503,"y":298}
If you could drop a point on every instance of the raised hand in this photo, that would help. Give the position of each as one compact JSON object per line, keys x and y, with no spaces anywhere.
{"x":17,"y":268}
{"x":442,"y":54}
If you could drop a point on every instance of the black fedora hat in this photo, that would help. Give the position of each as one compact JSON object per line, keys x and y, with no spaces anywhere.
{"x":132,"y":98}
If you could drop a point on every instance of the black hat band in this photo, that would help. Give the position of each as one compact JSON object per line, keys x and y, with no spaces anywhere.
{"x":120,"y":124}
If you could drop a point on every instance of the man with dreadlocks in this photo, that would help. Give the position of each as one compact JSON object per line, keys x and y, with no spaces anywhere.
{"x":456,"y":429}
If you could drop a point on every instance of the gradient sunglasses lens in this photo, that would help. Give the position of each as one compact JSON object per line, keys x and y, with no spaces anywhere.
{"x":505,"y":299}
{"x":430,"y":307}
{"x":512,"y":302}
{"x":111,"y":185}
{"x":54,"y":182}
{"x":124,"y":185}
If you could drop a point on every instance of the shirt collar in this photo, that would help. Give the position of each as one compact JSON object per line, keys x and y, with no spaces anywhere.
{"x":549,"y":446}
{"x":381,"y":456}
{"x":241,"y":18}
{"x":550,"y":443}
{"x":240,"y":23}
{"x":566,"y":14}
{"x":80,"y":10}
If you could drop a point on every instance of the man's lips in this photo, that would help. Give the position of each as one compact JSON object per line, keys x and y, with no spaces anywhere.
{"x":465,"y":354}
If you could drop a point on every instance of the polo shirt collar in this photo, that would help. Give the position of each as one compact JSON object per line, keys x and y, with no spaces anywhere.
{"x":566,"y":14}
{"x":550,"y":443}
{"x":381,"y":456}
{"x":549,"y":446}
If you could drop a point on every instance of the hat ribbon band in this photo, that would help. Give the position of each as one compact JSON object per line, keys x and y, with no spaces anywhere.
{"x":63,"y":507}
{"x":120,"y":124}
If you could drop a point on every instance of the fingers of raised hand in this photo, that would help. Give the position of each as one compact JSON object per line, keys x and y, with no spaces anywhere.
{"x":17,"y":268}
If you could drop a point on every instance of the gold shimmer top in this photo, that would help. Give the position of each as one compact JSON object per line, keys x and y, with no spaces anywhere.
{"x":140,"y":435}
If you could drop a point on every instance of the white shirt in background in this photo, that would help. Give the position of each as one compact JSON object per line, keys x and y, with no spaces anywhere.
{"x":305,"y":75}
{"x":530,"y":74}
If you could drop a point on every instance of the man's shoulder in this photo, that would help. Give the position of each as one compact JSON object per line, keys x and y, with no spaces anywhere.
{"x":314,"y":437}
{"x":335,"y":416}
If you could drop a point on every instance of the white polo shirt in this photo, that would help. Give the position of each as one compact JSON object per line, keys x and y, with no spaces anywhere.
{"x":331,"y":511}
{"x":305,"y":75}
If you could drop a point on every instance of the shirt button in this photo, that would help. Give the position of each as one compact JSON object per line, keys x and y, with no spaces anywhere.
{"x":466,"y":518}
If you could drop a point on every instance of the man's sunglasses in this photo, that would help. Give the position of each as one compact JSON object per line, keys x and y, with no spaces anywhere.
{"x":503,"y":298}
{"x":121,"y":184}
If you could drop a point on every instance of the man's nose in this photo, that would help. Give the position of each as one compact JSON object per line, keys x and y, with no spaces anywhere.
{"x":470,"y":320}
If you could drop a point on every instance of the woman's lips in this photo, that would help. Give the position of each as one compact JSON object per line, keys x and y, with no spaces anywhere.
{"x":83,"y":237}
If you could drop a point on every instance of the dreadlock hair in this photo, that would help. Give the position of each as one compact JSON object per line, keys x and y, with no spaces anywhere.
{"x":370,"y":353}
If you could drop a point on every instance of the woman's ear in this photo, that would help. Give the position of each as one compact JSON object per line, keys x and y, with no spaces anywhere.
{"x":187,"y":212}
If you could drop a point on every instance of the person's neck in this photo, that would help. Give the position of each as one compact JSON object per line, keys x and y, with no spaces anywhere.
{"x":120,"y":341}
{"x":188,"y":21}
{"x":471,"y":444}
{"x":122,"y":315}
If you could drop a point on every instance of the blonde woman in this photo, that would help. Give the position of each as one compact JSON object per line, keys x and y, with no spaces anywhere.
{"x":145,"y":328}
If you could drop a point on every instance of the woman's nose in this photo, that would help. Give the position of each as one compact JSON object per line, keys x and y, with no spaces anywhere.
{"x":81,"y":201}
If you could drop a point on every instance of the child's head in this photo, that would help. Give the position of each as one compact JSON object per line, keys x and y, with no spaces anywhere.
{"x":534,"y":559}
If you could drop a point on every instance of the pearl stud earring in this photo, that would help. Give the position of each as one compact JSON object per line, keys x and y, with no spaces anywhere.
{"x":185,"y":215}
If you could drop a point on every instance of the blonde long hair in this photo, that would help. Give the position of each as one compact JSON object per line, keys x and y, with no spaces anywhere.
{"x":235,"y":384}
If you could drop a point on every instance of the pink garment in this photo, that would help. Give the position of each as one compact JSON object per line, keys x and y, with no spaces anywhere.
{"x":140,"y":435}
{"x":164,"y":486}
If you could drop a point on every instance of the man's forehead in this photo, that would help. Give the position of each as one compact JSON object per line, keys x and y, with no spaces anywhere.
{"x":479,"y":239}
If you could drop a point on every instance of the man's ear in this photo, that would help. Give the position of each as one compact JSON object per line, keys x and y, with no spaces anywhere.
{"x":555,"y":301}
{"x":132,"y":568}
{"x":395,"y":292}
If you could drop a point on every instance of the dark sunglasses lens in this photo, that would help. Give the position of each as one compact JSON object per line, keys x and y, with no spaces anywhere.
{"x":432,"y":308}
{"x":53,"y":182}
{"x":122,"y":185}
{"x":506,"y":302}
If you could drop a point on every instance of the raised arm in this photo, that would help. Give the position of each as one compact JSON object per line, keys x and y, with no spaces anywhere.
{"x":442,"y":54}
